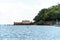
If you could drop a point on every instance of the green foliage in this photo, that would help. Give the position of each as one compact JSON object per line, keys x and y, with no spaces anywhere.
{"x":40,"y":15}
{"x":48,"y":14}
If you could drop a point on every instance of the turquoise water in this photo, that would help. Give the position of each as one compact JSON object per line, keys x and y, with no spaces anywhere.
{"x":29,"y":32}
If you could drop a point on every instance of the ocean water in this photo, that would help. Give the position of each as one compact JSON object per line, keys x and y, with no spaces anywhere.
{"x":29,"y":32}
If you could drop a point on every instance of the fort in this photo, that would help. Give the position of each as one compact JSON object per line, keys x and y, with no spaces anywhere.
{"x":24,"y":22}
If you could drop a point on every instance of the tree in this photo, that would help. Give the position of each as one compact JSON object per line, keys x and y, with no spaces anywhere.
{"x":49,"y":14}
{"x":40,"y":15}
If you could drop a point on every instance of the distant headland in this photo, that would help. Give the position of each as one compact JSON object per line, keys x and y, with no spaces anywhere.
{"x":46,"y":16}
{"x":27,"y":22}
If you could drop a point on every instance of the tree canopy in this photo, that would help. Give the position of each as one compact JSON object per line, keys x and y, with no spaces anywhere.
{"x":48,"y":14}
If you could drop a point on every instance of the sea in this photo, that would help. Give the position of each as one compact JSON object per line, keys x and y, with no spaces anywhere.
{"x":29,"y":32}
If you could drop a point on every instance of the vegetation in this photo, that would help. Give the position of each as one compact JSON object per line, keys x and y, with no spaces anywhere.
{"x":48,"y":14}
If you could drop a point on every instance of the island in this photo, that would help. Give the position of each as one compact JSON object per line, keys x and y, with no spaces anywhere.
{"x":46,"y":16}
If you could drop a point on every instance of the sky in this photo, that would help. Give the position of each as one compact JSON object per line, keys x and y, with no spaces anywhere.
{"x":18,"y":10}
